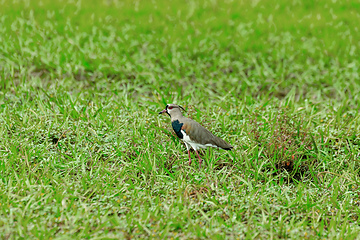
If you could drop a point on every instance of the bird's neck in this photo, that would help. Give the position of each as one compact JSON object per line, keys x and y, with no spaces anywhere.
{"x":176,"y":116}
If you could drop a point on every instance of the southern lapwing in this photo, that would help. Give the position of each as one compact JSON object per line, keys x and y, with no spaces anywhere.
{"x":192,"y":133}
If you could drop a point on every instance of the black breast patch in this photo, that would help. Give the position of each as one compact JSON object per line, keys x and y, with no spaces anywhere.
{"x":177,"y":128}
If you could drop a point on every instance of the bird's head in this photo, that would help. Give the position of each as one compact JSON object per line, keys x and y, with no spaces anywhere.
{"x":172,"y":109}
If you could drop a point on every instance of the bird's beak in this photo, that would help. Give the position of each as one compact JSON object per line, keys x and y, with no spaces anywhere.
{"x":163,"y":111}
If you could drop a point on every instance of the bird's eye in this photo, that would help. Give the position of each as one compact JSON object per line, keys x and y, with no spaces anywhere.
{"x":170,"y":107}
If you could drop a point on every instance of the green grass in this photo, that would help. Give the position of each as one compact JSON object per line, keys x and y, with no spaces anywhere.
{"x":84,"y":153}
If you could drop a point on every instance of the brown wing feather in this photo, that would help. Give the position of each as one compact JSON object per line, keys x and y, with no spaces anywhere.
{"x":199,"y":134}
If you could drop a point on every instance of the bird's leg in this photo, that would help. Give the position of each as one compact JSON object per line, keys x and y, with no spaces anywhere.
{"x":188,"y":148}
{"x":189,"y":157}
{"x":199,"y":158}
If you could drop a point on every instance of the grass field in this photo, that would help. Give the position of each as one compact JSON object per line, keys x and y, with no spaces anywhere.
{"x":84,"y":153}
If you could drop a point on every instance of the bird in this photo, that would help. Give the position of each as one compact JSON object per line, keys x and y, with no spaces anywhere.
{"x":192,"y":133}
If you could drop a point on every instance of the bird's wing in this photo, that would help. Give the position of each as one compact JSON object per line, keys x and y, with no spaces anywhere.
{"x":199,"y":134}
